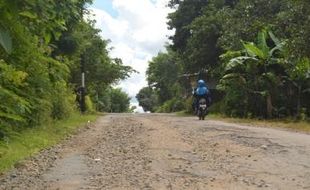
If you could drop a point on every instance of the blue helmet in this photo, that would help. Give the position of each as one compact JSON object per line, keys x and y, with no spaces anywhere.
{"x":201,"y":83}
{"x":202,"y":88}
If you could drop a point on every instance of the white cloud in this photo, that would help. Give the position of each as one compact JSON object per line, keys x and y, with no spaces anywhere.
{"x":137,"y":33}
{"x":110,"y":27}
{"x":133,"y":84}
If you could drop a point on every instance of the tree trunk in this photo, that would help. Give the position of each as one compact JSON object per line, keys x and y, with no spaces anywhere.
{"x":269,"y":105}
{"x":298,"y":101}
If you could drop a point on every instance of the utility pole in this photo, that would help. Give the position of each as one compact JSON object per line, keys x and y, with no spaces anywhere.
{"x":83,"y":90}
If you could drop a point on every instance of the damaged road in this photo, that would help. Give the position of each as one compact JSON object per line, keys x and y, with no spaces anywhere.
{"x":163,"y":151}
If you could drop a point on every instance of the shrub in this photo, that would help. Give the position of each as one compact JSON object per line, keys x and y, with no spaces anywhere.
{"x":89,"y":105}
{"x":173,"y":105}
{"x":63,"y":101}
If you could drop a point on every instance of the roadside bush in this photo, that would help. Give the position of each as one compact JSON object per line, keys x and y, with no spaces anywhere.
{"x":217,"y":107}
{"x":172,"y":105}
{"x":63,"y":101}
{"x":188,"y":105}
{"x":89,"y":105}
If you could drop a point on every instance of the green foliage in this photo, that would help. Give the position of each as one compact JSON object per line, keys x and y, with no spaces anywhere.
{"x":14,"y":107}
{"x":186,"y":12}
{"x":293,"y":23}
{"x":41,"y":46}
{"x":217,"y":107}
{"x":90,"y":108}
{"x":164,"y":92}
{"x":148,"y":99}
{"x":260,"y":74}
{"x":115,"y":101}
{"x":189,"y":105}
{"x":162,"y":74}
{"x":101,"y":70}
{"x":301,"y":70}
{"x":202,"y":49}
{"x":5,"y":40}
{"x":63,"y":104}
{"x":120,"y":101}
{"x":258,"y":77}
{"x":173,"y":105}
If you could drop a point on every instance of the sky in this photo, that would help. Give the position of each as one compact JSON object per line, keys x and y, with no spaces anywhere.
{"x":137,"y":30}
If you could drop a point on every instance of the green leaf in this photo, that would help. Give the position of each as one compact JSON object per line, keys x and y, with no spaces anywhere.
{"x":277,"y":47}
{"x":47,"y":38}
{"x":254,"y":51}
{"x":57,"y":35}
{"x":238,"y":61}
{"x":235,"y":62}
{"x":11,"y":116}
{"x":301,"y":71}
{"x":10,"y":75}
{"x":28,"y":14}
{"x":279,"y":44}
{"x":262,"y":45}
{"x":231,"y":75}
{"x":274,"y":38}
{"x":5,"y":40}
{"x":263,"y":93}
{"x":7,"y":93}
{"x":230,"y":54}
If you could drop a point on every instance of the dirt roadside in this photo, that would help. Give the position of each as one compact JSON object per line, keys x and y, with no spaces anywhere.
{"x":162,"y":151}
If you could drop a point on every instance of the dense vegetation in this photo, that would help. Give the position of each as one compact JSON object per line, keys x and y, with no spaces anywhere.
{"x":42,"y":46}
{"x":258,"y":51}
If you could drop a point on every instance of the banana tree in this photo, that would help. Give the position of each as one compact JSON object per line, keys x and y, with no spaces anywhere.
{"x":253,"y":64}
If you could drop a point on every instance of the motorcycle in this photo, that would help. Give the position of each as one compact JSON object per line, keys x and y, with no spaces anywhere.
{"x":202,"y":109}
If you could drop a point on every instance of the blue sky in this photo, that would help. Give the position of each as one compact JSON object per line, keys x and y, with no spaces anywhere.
{"x":105,"y":5}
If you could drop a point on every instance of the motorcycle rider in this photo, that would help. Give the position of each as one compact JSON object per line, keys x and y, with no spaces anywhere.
{"x":201,"y":91}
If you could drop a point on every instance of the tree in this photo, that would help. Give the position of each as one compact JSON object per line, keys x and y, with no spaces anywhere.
{"x":41,"y":45}
{"x":299,"y":76}
{"x":246,"y":18}
{"x":101,"y":70}
{"x":258,"y":71}
{"x":162,"y":74}
{"x":202,"y":50}
{"x":113,"y":100}
{"x":148,"y":99}
{"x":265,"y":71}
{"x":293,"y":23}
{"x":181,"y":19}
{"x":120,"y":101}
{"x":198,"y":27}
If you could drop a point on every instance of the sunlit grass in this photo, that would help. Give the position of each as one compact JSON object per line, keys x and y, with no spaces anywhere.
{"x":30,"y":141}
